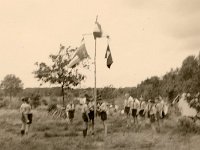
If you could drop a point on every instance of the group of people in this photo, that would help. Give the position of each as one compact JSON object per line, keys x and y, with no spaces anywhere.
{"x":88,"y":114}
{"x":138,"y":109}
{"x":141,"y":109}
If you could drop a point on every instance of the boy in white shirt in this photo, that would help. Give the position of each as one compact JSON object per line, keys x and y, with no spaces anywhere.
{"x":70,"y":109}
{"x":127,"y":104}
{"x":26,"y":116}
{"x":85,"y":116}
{"x":91,"y":105}
{"x":135,"y":109}
{"x":103,"y":112}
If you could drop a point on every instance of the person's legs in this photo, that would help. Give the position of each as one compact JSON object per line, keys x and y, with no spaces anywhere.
{"x":23,"y":128}
{"x":85,"y":125}
{"x":127,"y":120}
{"x":104,"y":118}
{"x":92,"y":126}
{"x":127,"y":112}
{"x":85,"y":128}
{"x":27,"y":126}
{"x":105,"y":128}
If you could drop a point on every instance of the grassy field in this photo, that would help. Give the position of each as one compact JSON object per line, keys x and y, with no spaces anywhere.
{"x":49,"y":134}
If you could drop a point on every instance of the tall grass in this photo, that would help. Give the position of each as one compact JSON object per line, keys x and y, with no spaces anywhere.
{"x":48,"y":133}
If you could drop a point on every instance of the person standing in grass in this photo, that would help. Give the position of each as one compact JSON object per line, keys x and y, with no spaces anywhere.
{"x":26,"y":116}
{"x":70,"y":111}
{"x":91,"y":114}
{"x":135,"y":110}
{"x":127,"y":104}
{"x":85,"y":116}
{"x":142,"y":107}
{"x":103,"y":113}
{"x":152,"y":114}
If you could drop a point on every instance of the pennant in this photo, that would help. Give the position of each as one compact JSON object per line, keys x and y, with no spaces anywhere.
{"x":79,"y":55}
{"x":97,"y":33}
{"x":109,"y":57}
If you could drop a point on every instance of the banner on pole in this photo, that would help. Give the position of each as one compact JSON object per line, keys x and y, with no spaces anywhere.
{"x":79,"y":55}
{"x":108,"y":56}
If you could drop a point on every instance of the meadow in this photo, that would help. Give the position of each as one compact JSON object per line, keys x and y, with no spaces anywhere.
{"x":47,"y":133}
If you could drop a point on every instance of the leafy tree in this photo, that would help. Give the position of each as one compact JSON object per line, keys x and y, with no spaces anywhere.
{"x":149,"y":88}
{"x":57,"y":73}
{"x":170,"y":84}
{"x":35,"y":100}
{"x":11,"y":85}
{"x":107,"y":92}
{"x":189,"y":75}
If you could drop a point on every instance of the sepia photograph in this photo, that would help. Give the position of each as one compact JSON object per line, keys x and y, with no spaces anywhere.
{"x":100,"y":75}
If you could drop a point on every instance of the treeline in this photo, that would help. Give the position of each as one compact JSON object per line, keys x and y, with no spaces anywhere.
{"x":108,"y":92}
{"x":183,"y":79}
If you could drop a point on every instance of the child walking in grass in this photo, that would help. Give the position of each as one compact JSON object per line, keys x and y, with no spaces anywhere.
{"x":26,"y":116}
{"x":103,"y":113}
{"x":85,"y":116}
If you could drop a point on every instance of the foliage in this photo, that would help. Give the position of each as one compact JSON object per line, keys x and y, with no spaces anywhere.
{"x":58,"y":73}
{"x":187,"y":125}
{"x":183,"y":79}
{"x":35,"y":100}
{"x":11,"y":85}
{"x":149,"y":88}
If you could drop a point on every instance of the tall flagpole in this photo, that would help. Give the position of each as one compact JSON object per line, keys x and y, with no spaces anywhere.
{"x":95,"y":74}
{"x":95,"y":82}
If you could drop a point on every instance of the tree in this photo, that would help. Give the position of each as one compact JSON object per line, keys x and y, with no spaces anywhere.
{"x":11,"y":85}
{"x":149,"y":88}
{"x":170,"y":84}
{"x":58,"y":73}
{"x":189,"y":75}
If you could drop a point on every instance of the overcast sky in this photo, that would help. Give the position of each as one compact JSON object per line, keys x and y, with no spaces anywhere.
{"x":147,"y":37}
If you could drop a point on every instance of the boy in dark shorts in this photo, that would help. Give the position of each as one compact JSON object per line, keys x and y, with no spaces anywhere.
{"x":103,"y":112}
{"x":85,"y":116}
{"x":26,"y":116}
{"x":127,"y":103}
{"x":70,"y":109}
{"x":135,"y":110}
{"x":91,"y":114}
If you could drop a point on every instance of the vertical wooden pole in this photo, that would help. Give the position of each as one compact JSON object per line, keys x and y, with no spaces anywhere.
{"x":95,"y":90}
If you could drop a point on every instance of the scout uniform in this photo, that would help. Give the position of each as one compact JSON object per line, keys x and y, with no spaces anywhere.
{"x":70,"y":111}
{"x":26,"y":116}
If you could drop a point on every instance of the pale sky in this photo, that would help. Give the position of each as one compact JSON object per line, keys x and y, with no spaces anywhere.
{"x":147,"y":37}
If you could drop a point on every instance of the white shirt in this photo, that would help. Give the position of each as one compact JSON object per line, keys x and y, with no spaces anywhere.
{"x":85,"y":108}
{"x":153,"y":109}
{"x":103,"y":107}
{"x":130,"y":101}
{"x":135,"y":104}
{"x":25,"y":108}
{"x":70,"y":107}
{"x":91,"y":106}
{"x":142,"y":105}
{"x":126,"y":103}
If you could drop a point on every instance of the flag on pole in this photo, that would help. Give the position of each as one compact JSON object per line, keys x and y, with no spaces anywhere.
{"x":109,"y":57}
{"x":79,"y":55}
{"x":97,"y":33}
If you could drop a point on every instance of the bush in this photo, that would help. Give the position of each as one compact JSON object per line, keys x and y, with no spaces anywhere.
{"x":15,"y":103}
{"x":35,"y":100}
{"x":44,"y":102}
{"x":187,"y":125}
{"x":3,"y":103}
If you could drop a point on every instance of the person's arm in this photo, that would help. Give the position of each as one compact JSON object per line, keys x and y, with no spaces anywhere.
{"x":124,"y":104}
{"x":87,"y":112}
{"x":138,"y":107}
